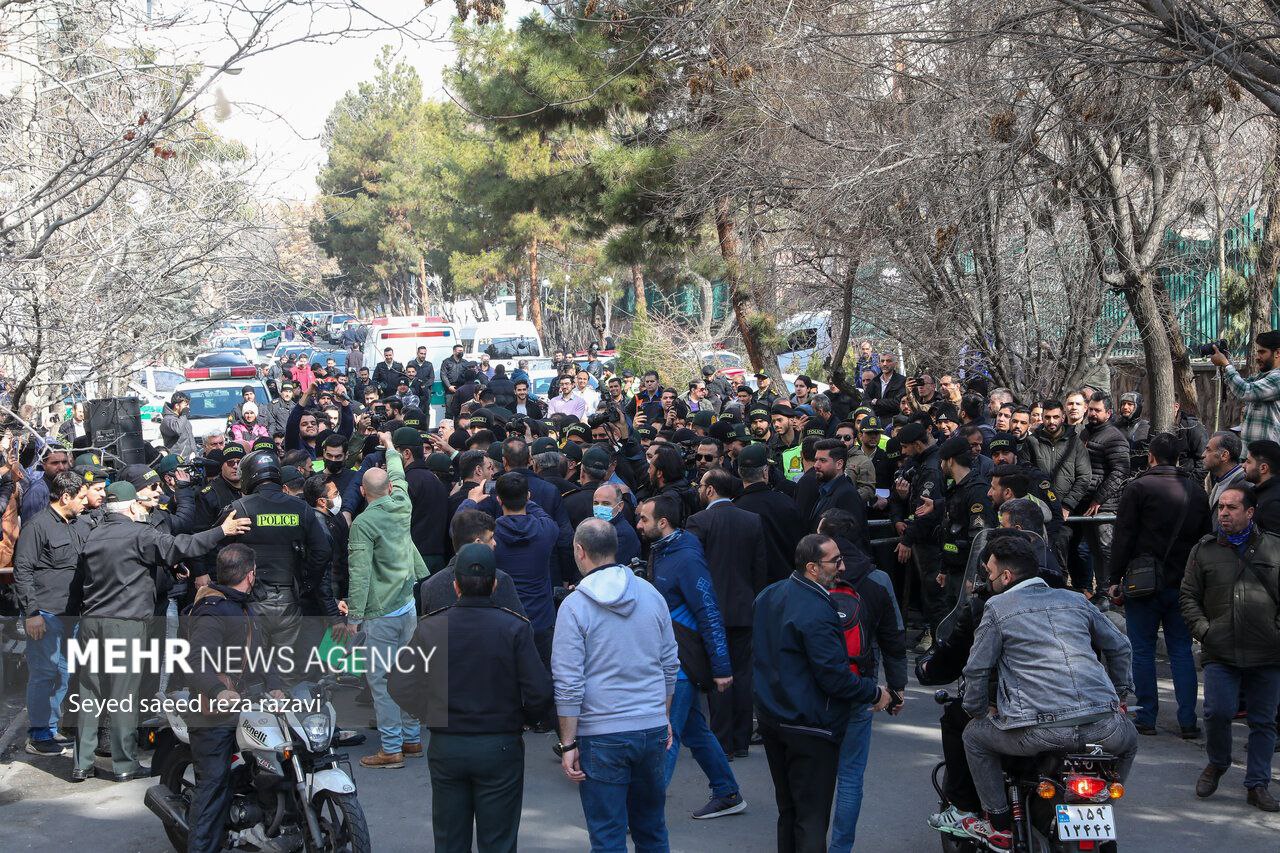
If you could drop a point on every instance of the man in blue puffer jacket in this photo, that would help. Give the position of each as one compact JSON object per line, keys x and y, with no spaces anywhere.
{"x":678,"y":569}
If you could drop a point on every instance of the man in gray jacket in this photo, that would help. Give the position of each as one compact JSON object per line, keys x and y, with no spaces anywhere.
{"x":1056,"y":696}
{"x":614,"y":664}
{"x":175,"y":427}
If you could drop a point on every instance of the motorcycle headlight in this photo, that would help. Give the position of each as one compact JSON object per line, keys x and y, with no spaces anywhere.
{"x":319,"y":731}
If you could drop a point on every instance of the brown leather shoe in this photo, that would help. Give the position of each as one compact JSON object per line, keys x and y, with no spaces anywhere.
{"x":1208,"y":781}
{"x":383,"y":760}
{"x":412,"y":750}
{"x":1262,"y":798}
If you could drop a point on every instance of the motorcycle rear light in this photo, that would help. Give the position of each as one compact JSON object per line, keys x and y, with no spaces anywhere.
{"x":1087,"y":845}
{"x":1046,"y":790}
{"x":1116,"y":790}
{"x":1086,"y":787}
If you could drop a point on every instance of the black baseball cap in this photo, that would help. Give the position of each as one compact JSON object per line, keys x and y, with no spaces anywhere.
{"x":139,"y":476}
{"x":475,"y":561}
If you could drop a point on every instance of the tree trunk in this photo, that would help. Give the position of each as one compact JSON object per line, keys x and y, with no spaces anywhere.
{"x":1184,"y":378}
{"x":535,"y":291}
{"x":1262,"y":283}
{"x":1141,"y":297}
{"x":759,"y":352}
{"x":637,"y":287}
{"x":424,"y":300}
{"x":518,"y":287}
{"x":841,"y":342}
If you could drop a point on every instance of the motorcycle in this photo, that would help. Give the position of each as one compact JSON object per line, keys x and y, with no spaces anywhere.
{"x":291,"y":790}
{"x":1061,"y":802}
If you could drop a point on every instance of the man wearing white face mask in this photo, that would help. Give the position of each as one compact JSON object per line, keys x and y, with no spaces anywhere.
{"x":607,"y":505}
{"x":321,"y":494}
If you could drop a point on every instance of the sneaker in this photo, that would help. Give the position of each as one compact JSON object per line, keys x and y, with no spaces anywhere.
{"x":949,"y":820}
{"x":721,"y":806}
{"x":923,"y":643}
{"x":383,"y":760}
{"x":982,"y":830}
{"x":47,"y":746}
{"x":412,"y":750}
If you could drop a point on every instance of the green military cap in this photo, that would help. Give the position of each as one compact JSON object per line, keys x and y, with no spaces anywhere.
{"x":753,"y":456}
{"x":406,"y":436}
{"x":120,"y":492}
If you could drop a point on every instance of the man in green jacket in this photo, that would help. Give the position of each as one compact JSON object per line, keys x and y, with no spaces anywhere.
{"x":384,"y":564}
{"x":1231,"y":603}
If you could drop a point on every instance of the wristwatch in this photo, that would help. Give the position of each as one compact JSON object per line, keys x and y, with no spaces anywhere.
{"x":561,"y":748}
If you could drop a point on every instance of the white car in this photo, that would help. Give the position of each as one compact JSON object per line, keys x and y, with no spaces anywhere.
{"x":236,"y":343}
{"x":216,"y":391}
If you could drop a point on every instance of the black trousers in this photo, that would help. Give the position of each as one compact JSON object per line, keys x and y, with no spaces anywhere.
{"x":959,"y":783}
{"x":477,"y":784}
{"x":803,"y":768}
{"x":211,"y":750}
{"x":731,"y":710}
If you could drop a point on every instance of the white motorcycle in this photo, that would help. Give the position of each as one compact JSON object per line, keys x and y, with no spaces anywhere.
{"x":291,"y":790}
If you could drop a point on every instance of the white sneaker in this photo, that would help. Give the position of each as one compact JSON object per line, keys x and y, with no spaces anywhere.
{"x":948,"y":820}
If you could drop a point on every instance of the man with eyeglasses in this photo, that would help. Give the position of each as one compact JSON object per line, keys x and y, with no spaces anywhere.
{"x":804,"y":691}
{"x":708,"y":454}
{"x":857,"y":464}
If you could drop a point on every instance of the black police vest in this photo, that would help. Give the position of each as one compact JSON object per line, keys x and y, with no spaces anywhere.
{"x":277,"y":536}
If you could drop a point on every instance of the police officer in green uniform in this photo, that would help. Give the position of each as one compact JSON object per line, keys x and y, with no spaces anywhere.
{"x":293,"y":554}
{"x":212,"y":501}
{"x":968,"y":512}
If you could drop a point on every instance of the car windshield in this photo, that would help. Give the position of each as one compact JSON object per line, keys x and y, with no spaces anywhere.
{"x":518,"y":346}
{"x":224,"y":358}
{"x":256,"y":329}
{"x":219,"y":402}
{"x":339,"y":357}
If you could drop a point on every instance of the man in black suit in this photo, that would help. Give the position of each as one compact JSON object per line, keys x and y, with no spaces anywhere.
{"x":780,"y":518}
{"x":388,"y":372}
{"x":733,"y":541}
{"x":886,"y":391}
{"x":835,"y":490}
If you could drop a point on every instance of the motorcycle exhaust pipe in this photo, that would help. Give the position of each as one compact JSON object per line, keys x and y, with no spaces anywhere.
{"x":167,"y":806}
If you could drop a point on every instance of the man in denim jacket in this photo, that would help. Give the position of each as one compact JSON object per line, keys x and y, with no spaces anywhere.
{"x":1053,"y":694}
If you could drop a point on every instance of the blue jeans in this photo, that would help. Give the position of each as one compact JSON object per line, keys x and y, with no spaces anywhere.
{"x":1261,"y":685}
{"x":47,"y":675}
{"x":387,"y":634}
{"x":689,"y":726}
{"x":624,"y":787}
{"x":854,"y":750}
{"x":1143,"y":618}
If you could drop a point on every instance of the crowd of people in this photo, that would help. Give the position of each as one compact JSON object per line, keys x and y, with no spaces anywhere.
{"x":610,"y":557}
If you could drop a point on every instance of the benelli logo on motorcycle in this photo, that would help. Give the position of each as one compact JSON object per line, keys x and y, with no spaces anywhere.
{"x":282,"y":519}
{"x":255,"y":734}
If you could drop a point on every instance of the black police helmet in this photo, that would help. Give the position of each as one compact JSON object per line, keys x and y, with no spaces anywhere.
{"x":258,"y":468}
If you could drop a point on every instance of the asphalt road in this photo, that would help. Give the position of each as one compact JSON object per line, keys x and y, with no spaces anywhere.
{"x":40,"y":811}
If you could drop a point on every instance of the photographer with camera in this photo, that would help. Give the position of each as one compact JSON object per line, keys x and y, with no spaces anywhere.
{"x":1261,"y":392}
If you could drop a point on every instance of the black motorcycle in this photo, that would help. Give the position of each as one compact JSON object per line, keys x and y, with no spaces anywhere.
{"x":1060,"y":801}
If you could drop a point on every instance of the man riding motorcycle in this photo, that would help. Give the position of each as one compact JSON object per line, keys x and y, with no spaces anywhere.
{"x":1057,"y":696}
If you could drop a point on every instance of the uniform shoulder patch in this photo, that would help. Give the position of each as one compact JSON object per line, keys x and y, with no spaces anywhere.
{"x":975,"y":509}
{"x":208,"y":488}
{"x":1045,"y":485}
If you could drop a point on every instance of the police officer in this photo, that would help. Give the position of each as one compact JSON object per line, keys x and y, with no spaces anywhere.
{"x":1004,"y":451}
{"x":475,"y":755}
{"x":918,"y":529}
{"x":968,"y":512}
{"x":220,"y":621}
{"x":212,"y":501}
{"x":119,"y":560}
{"x":293,"y":557}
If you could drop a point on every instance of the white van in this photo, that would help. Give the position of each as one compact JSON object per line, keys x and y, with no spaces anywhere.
{"x":506,"y":342}
{"x":806,"y":334}
{"x":404,"y":335}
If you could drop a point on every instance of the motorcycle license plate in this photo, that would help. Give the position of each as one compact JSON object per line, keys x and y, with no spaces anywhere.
{"x":1086,"y":823}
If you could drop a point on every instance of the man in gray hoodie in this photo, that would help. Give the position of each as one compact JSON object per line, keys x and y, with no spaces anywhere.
{"x":614,"y":665}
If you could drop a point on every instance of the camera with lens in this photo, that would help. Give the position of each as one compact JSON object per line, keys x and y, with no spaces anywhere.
{"x":639,"y":567}
{"x":611,"y":415}
{"x":1206,"y":350}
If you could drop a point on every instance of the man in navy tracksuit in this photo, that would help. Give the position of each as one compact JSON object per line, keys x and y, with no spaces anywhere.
{"x":803,"y":691}
{"x":678,"y":569}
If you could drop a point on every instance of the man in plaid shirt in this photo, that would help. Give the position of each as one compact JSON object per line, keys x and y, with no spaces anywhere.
{"x":1261,"y":392}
